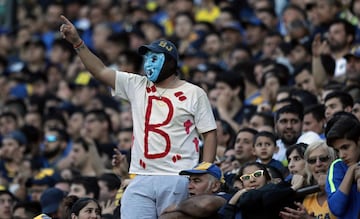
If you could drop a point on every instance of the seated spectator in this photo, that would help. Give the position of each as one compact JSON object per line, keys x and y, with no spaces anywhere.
{"x":259,"y":198}
{"x":343,"y":179}
{"x":264,"y":148}
{"x":204,"y":179}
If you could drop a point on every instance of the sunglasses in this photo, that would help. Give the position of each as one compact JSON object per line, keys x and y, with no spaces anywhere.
{"x":322,"y":159}
{"x":255,"y":174}
{"x":51,"y":138}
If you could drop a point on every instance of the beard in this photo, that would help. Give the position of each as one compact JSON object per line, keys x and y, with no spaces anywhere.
{"x":52,"y":153}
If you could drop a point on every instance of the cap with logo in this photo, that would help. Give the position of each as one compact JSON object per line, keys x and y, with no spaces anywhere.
{"x":205,"y":167}
{"x":161,"y":46}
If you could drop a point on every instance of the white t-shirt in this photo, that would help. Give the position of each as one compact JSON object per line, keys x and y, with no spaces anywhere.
{"x":166,"y":124}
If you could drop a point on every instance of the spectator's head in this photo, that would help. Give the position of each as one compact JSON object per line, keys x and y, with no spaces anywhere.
{"x":77,"y":209}
{"x":109,"y":185}
{"x":318,"y":157}
{"x":254,"y":175}
{"x":204,"y":178}
{"x":55,"y":143}
{"x":337,"y":101}
{"x":231,"y":82}
{"x":265,"y":146}
{"x":244,"y":150}
{"x":304,"y":78}
{"x":13,"y":145}
{"x":7,"y":200}
{"x":261,"y":121}
{"x":25,"y":210}
{"x":295,"y":158}
{"x":166,"y":56}
{"x":342,"y":133}
{"x":314,"y":118}
{"x":50,"y":201}
{"x":341,"y":34}
{"x":288,"y":123}
{"x":85,"y":186}
{"x":352,"y":65}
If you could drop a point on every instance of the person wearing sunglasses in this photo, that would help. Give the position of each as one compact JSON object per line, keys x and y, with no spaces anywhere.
{"x":318,"y":157}
{"x":343,"y":134}
{"x":259,"y":198}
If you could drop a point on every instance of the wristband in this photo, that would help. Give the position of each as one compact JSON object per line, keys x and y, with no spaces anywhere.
{"x":78,"y":45}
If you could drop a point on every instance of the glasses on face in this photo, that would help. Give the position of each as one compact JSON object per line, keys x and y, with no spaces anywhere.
{"x":51,"y":138}
{"x":255,"y":174}
{"x":322,"y":159}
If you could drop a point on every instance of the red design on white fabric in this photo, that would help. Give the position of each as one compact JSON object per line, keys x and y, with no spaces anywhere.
{"x":142,"y":164}
{"x":180,"y":95}
{"x":187,"y":125}
{"x":156,"y":127}
{"x":176,"y":158}
{"x":196,"y":142}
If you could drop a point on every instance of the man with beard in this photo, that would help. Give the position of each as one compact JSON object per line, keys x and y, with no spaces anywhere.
{"x":55,"y":143}
{"x":341,"y":35}
{"x":353,"y":67}
{"x":288,"y":127}
{"x":11,"y":155}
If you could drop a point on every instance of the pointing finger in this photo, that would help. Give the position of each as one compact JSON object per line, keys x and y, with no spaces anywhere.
{"x":65,"y":19}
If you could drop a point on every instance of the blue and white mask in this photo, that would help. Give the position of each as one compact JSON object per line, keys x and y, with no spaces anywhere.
{"x":153,"y":64}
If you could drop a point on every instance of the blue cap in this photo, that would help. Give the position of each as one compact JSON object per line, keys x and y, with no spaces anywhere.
{"x":354,"y":52}
{"x":18,"y":136}
{"x":50,"y":200}
{"x":160,"y":46}
{"x":233,"y":26}
{"x":254,"y":21}
{"x":205,"y":167}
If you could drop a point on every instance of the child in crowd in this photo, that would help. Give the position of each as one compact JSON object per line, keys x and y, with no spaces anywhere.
{"x":264,"y":148}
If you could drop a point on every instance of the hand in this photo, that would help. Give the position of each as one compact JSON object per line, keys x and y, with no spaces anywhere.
{"x":322,"y":180}
{"x":68,"y":31}
{"x":357,"y":176}
{"x":297,"y":182}
{"x":299,"y":213}
{"x":120,"y":164}
{"x":108,"y":207}
{"x":319,"y":47}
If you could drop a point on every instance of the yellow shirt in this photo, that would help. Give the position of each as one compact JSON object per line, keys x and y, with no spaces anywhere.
{"x":312,"y":206}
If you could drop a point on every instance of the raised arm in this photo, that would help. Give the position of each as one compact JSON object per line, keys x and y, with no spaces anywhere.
{"x":92,"y":63}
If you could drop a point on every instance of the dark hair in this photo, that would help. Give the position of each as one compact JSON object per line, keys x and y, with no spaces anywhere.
{"x":267,"y":134}
{"x":112,"y":181}
{"x":90,"y":184}
{"x":250,"y":130}
{"x":227,"y":129}
{"x":101,"y":115}
{"x":345,"y":98}
{"x":294,"y":107}
{"x":81,"y":203}
{"x":303,"y":67}
{"x":317,"y":110}
{"x":233,"y":80}
{"x":299,"y":147}
{"x":259,"y":165}
{"x":267,"y":117}
{"x":246,"y":69}
{"x":31,"y":208}
{"x":348,"y":27}
{"x":342,"y":125}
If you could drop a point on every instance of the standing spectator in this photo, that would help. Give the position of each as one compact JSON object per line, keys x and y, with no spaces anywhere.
{"x":342,"y":184}
{"x":164,"y":143}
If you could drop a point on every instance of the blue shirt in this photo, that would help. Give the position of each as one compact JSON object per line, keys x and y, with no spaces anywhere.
{"x":340,"y":204}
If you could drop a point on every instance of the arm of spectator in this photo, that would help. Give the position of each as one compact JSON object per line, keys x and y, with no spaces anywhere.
{"x":338,"y":187}
{"x":318,"y":70}
{"x":222,"y":103}
{"x":96,"y":67}
{"x":209,"y":146}
{"x":200,"y":205}
{"x":357,"y":176}
{"x":236,"y":196}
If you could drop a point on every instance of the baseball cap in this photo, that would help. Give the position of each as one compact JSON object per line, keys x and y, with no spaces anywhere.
{"x":232,"y":26}
{"x":50,"y":200}
{"x":354,"y":52}
{"x":160,"y":46}
{"x":253,"y":21}
{"x":18,"y":136}
{"x":205,"y":167}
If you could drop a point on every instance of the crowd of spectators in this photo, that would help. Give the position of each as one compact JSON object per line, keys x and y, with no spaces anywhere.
{"x":276,"y":72}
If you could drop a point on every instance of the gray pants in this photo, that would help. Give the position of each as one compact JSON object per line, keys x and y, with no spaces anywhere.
{"x":147,"y":196}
